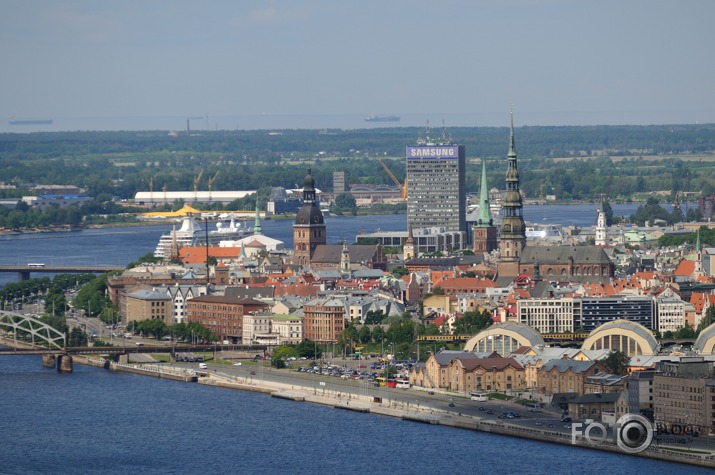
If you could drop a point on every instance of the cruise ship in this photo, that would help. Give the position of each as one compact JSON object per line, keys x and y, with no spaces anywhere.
{"x":544,"y":232}
{"x":191,"y":233}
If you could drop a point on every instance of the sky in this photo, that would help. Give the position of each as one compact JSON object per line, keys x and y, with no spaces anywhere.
{"x":464,"y":62}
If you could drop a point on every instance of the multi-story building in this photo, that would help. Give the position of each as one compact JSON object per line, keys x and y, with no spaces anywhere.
{"x":338,"y":182}
{"x":179,"y":294}
{"x":566,"y":376}
{"x":684,"y":394}
{"x":323,"y":319}
{"x":637,"y":309}
{"x":640,"y":393}
{"x":257,"y":329}
{"x":670,"y":314}
{"x":288,"y":327}
{"x":222,"y":315}
{"x":549,"y":315}
{"x":485,"y":374}
{"x":150,"y":304}
{"x":436,"y":192}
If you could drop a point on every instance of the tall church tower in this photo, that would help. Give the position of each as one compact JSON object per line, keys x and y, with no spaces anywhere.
{"x":601,"y":228}
{"x":484,"y":232}
{"x":513,"y":237}
{"x":309,"y":226}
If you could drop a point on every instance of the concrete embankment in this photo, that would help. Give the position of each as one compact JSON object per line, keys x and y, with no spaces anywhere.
{"x":445,"y":418}
{"x":364,"y":404}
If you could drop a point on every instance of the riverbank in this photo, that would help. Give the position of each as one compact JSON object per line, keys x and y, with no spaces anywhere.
{"x":353,"y":400}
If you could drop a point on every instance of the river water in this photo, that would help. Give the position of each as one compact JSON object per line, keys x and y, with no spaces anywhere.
{"x":96,"y":421}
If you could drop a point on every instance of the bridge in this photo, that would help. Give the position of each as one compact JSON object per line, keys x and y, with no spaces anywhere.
{"x":26,"y":335}
{"x":23,"y":271}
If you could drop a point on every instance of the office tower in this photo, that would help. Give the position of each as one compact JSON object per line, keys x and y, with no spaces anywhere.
{"x":436,"y":195}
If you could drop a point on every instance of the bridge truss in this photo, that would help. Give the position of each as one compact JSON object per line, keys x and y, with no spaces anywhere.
{"x":21,"y":325}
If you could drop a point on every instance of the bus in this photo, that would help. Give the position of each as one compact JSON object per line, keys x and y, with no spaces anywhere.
{"x":479,"y":396}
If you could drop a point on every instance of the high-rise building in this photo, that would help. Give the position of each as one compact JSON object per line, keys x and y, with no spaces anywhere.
{"x":309,"y":227}
{"x":484,"y":231}
{"x":338,"y":183}
{"x":512,"y":233}
{"x":436,"y":191}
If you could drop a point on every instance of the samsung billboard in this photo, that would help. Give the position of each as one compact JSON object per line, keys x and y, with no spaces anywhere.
{"x":426,"y":152}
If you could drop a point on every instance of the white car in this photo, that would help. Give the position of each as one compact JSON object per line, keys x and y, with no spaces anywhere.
{"x":238,"y":364}
{"x":203,"y":366}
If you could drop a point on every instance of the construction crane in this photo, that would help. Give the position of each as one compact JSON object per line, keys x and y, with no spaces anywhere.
{"x":211,"y":182}
{"x":402,"y":186}
{"x":196,"y":185}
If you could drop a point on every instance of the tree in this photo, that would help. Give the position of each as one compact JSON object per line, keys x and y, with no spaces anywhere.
{"x":373,"y":317}
{"x":364,"y":335}
{"x":707,"y":320}
{"x":472,"y":323}
{"x":616,"y":362}
{"x":309,"y":349}
{"x":346,"y":201}
{"x":281,"y":354}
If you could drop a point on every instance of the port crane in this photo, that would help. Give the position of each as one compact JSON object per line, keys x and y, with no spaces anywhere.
{"x":211,"y":182}
{"x":196,"y":185}
{"x":402,"y":186}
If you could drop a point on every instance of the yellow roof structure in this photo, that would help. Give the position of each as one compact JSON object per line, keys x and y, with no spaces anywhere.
{"x":173,"y":214}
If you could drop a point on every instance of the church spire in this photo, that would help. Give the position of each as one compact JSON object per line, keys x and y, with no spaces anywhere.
{"x":257,"y":223}
{"x":485,"y":212}
{"x":512,"y":146}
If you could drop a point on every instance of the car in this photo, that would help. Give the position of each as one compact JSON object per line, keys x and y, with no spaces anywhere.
{"x":253,"y":373}
{"x":203,"y":366}
{"x":538,"y":423}
{"x":490,"y":411}
{"x":551,"y":425}
{"x":451,"y":404}
{"x":565,"y":419}
{"x":481,"y":408}
{"x":431,"y":393}
{"x":238,"y":364}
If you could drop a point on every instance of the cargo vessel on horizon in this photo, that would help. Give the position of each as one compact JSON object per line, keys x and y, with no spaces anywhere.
{"x":30,"y":121}
{"x":383,"y":118}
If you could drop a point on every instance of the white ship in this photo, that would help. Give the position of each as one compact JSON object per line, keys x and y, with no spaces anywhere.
{"x":192,"y":233}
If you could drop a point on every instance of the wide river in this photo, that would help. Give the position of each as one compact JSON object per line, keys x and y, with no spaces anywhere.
{"x":96,"y":421}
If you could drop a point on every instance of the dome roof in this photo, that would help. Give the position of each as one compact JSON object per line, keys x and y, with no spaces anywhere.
{"x":705,"y":344}
{"x":309,"y":214}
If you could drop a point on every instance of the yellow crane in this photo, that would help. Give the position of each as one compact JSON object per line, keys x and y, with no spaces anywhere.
{"x":196,"y":184}
{"x":402,"y":186}
{"x":211,"y":182}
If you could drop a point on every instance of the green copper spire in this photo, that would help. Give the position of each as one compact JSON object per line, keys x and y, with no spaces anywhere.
{"x":485,"y":212}
{"x":257,"y":223}
{"x":512,"y":146}
{"x":698,"y":248}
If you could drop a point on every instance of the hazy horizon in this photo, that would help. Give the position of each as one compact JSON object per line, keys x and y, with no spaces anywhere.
{"x":129,"y":65}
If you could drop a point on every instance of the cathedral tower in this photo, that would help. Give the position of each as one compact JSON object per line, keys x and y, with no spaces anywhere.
{"x":309,"y":226}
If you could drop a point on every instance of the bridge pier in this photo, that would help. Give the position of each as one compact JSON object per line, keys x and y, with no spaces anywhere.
{"x":48,"y":360}
{"x":64,"y":365}
{"x":23,"y":275}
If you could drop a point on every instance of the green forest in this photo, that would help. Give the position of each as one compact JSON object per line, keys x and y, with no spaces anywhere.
{"x":571,"y":163}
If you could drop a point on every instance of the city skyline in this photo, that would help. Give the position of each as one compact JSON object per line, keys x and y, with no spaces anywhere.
{"x":283,"y":64}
